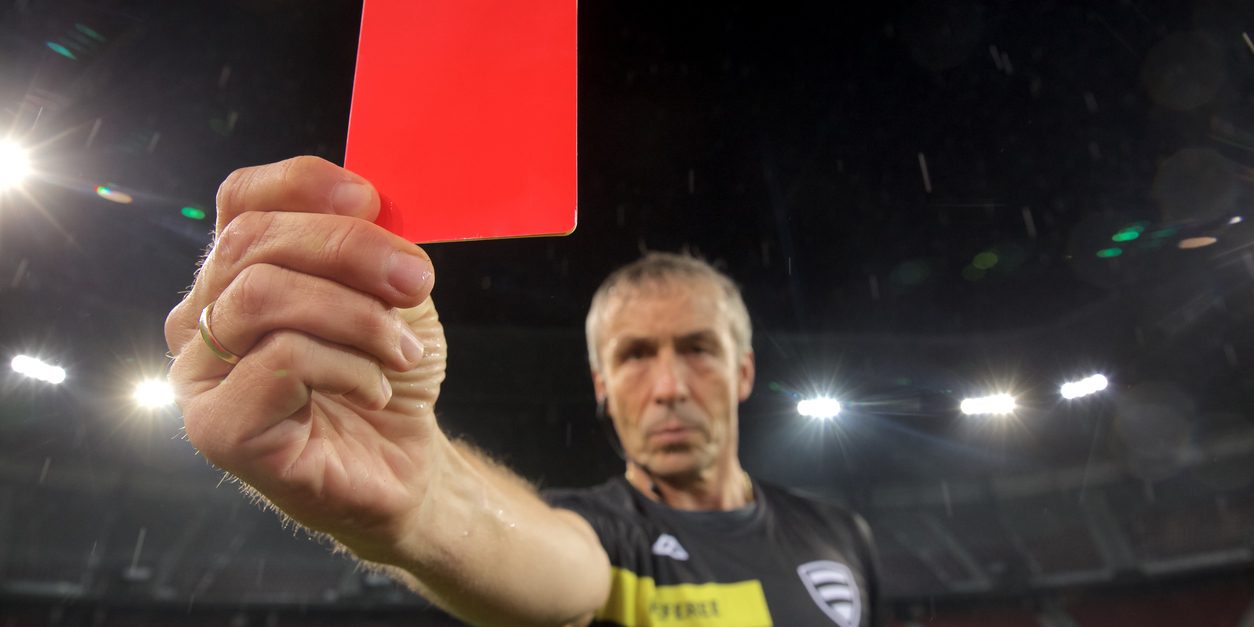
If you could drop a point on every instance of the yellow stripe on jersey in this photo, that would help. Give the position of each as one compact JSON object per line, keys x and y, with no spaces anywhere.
{"x":639,"y":602}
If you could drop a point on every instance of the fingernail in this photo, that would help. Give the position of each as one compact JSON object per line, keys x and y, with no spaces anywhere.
{"x":387,"y":217}
{"x":350,"y":198}
{"x":408,"y":274}
{"x":411,"y":348}
{"x":387,"y":389}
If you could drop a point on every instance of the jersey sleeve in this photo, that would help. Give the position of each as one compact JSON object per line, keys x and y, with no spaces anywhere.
{"x":871,"y":565}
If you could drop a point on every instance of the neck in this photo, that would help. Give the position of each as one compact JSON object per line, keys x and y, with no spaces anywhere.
{"x":723,"y":487}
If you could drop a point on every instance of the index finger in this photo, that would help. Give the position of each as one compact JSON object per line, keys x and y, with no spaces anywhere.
{"x":302,"y":184}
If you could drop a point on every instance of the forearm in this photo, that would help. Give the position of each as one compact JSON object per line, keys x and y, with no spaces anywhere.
{"x":485,"y":547}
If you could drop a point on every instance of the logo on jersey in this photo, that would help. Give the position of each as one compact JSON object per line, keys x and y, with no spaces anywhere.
{"x":833,"y":587}
{"x":668,"y":546}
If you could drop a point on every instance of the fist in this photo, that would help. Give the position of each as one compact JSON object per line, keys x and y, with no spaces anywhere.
{"x":308,"y":355}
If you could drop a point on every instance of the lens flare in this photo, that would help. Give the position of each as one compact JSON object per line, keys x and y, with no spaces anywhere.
{"x":154,"y":393}
{"x":110,"y":194}
{"x":1189,"y":243}
{"x":14,"y":165}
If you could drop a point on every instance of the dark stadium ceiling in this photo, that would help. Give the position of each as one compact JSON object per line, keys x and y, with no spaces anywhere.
{"x":946,"y":191}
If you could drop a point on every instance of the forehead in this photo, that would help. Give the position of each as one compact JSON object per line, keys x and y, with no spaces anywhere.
{"x":664,"y":308}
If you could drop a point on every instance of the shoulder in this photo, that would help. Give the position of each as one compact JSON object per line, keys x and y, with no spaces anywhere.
{"x":848,"y":529}
{"x":613,"y":496}
{"x":610,"y":507}
{"x":794,"y":499}
{"x":792,"y":503}
{"x":614,"y":513}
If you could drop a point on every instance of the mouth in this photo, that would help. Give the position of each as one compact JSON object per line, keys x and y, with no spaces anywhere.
{"x":671,"y":433}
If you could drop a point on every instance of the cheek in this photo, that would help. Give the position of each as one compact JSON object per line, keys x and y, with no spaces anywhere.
{"x":628,"y":387}
{"x":720,"y":387}
{"x":624,"y":406}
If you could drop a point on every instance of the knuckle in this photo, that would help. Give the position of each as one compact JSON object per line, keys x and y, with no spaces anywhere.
{"x":242,"y":234}
{"x":282,"y":348}
{"x":253,"y":291}
{"x":375,"y":321}
{"x":233,"y":188}
{"x":175,"y":327}
{"x":298,"y":170}
{"x":349,"y":238}
{"x":197,"y":425}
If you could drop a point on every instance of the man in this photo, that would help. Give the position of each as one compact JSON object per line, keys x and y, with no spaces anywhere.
{"x":308,"y":360}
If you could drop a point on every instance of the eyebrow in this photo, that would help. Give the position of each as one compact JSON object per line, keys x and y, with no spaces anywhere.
{"x":695,"y":336}
{"x":703,"y":334}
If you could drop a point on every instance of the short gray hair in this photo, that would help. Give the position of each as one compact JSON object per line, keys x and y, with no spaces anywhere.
{"x":657,"y":268}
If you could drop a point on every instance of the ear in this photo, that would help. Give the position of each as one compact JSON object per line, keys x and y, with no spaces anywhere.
{"x":745,"y":372}
{"x":598,"y":386}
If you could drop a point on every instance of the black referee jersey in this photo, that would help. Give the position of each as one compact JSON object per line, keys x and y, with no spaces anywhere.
{"x":786,"y":560}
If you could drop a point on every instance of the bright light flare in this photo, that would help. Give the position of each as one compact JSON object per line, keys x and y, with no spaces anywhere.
{"x":36,"y":369}
{"x":109,"y":193}
{"x":154,"y":394}
{"x":14,"y":165}
{"x":997,"y":404}
{"x":1190,"y":243}
{"x":1084,"y":387}
{"x":821,"y":408}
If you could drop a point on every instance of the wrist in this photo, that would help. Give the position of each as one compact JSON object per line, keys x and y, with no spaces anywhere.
{"x":400,"y":537}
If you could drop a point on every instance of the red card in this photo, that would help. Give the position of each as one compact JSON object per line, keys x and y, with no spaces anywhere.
{"x":464,"y":115}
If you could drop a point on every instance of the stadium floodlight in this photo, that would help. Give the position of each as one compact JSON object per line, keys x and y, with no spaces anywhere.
{"x":154,"y":394}
{"x":14,"y":165}
{"x":997,"y":404}
{"x":821,"y":408}
{"x":37,"y":369}
{"x":1084,"y":387}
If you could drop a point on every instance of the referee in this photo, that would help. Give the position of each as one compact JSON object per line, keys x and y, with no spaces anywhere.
{"x":308,"y":362}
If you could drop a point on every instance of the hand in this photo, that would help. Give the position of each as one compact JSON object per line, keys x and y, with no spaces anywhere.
{"x":329,"y":412}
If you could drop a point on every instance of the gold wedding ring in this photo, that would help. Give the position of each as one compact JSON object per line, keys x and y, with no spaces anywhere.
{"x":213,"y":343}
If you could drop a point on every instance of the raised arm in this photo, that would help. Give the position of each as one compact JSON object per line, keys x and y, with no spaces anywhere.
{"x":328,"y":412}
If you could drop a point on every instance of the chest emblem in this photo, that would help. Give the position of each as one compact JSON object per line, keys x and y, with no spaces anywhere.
{"x":834,"y":588}
{"x":668,"y":546}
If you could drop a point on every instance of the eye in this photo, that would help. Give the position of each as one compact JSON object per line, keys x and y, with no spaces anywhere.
{"x":700,"y":348}
{"x":632,"y":353}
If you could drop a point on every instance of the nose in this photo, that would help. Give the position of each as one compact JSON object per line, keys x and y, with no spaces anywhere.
{"x":670,"y":383}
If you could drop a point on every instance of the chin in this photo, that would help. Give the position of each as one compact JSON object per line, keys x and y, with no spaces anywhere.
{"x":676,"y":463}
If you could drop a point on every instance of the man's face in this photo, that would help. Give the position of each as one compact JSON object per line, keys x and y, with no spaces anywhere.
{"x":671,"y":376}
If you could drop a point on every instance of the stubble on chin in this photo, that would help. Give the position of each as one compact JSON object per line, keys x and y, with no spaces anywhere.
{"x":677,"y":461}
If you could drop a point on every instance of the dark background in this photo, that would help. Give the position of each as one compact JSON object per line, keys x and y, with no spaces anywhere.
{"x":785,"y":142}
